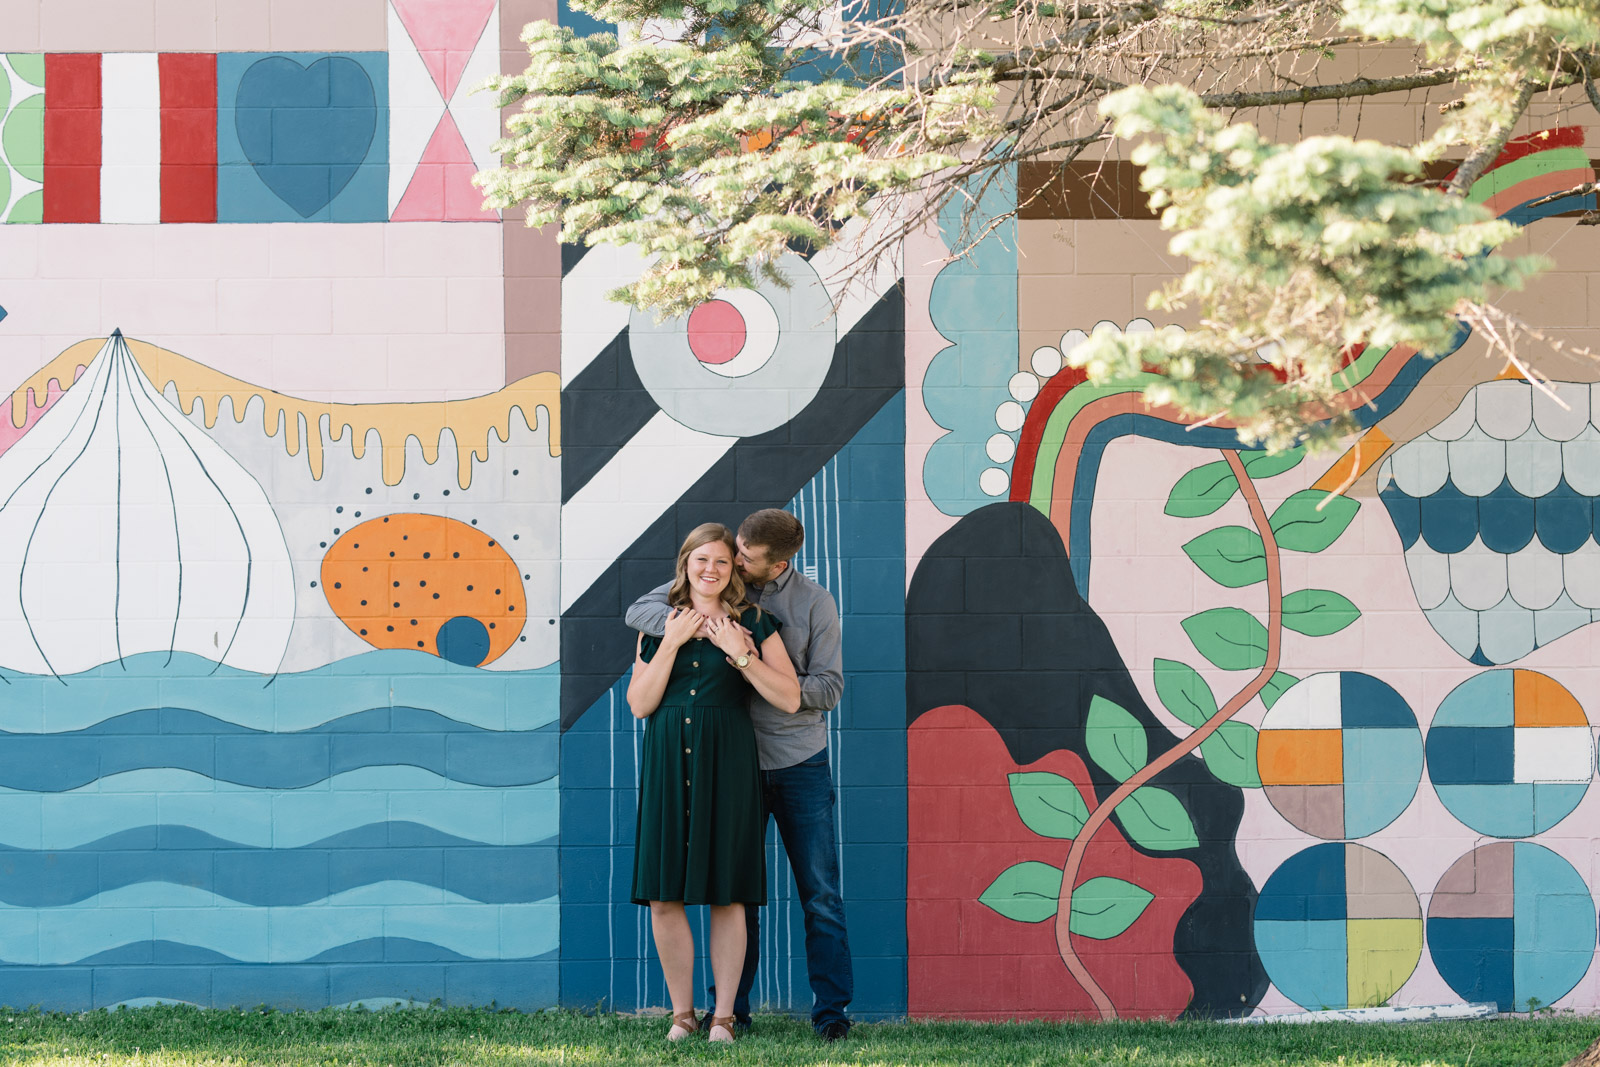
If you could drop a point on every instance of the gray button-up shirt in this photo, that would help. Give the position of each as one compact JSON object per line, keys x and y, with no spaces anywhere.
{"x":812,"y":635}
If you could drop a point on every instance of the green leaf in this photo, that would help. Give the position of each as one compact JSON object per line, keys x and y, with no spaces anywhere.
{"x":1300,"y":527}
{"x":1276,"y":686}
{"x":1115,"y":739}
{"x":1318,"y":612}
{"x":1104,"y":907}
{"x":1230,"y":555}
{"x":1155,"y":818}
{"x":1049,"y":804}
{"x":1230,"y":638}
{"x":1260,"y":465}
{"x":1202,"y":491}
{"x":1183,"y":692}
{"x":1230,"y":755}
{"x":1027,"y":892}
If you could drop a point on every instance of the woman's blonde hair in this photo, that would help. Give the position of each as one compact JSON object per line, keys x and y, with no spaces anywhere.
{"x":732,"y":593}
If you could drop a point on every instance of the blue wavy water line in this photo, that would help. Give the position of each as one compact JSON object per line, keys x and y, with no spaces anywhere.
{"x":196,"y":741}
{"x":165,"y":798}
{"x":279,"y":934}
{"x":508,"y":874}
{"x":382,"y":678}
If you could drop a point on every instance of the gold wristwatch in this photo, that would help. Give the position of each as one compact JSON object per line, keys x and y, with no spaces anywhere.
{"x":741,"y":661}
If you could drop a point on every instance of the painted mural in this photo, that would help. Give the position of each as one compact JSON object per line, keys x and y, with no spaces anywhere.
{"x":1165,"y":704}
{"x":315,"y":542}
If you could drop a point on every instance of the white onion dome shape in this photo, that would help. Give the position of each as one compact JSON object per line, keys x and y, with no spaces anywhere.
{"x":124,"y":529}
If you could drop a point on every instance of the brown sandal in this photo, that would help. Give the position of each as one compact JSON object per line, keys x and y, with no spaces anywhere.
{"x":683,"y":1024}
{"x":724,"y":1023}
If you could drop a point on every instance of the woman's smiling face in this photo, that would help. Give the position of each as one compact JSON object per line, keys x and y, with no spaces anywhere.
{"x":710,"y":567}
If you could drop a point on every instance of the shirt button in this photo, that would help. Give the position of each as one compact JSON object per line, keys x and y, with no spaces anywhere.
{"x":686,"y":722}
{"x":691,"y":692}
{"x":687,"y":751}
{"x":696,"y":663}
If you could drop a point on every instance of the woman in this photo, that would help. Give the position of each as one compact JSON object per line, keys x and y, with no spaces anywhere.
{"x":699,"y":837}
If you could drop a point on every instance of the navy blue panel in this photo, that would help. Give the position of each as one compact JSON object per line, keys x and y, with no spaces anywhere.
{"x":1470,"y":755}
{"x":571,"y":256}
{"x":603,"y":406}
{"x":1404,"y":511}
{"x":1309,"y":886}
{"x":1449,"y":519}
{"x":1367,"y":702}
{"x":1565,"y":519}
{"x":764,"y":471}
{"x":855,"y":518}
{"x":1474,"y":956}
{"x":1506,"y":519}
{"x":580,"y":22}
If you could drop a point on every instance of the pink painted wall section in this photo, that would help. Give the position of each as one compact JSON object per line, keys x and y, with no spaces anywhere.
{"x":390,"y":312}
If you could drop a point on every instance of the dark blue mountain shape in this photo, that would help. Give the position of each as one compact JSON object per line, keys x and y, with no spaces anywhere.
{"x":305,"y":129}
{"x":194,"y":741}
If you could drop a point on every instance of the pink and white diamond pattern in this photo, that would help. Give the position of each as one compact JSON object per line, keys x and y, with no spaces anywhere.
{"x":439,"y":130}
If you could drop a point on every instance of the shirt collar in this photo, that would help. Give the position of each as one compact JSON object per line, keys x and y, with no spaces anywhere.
{"x":776,"y":585}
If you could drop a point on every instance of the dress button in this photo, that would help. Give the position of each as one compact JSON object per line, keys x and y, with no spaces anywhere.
{"x":686,"y":722}
{"x":691,"y":692}
{"x":696,"y":663}
{"x":687,"y":782}
{"x":687,"y":751}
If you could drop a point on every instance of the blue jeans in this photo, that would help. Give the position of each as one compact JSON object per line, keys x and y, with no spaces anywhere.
{"x":801,"y":799}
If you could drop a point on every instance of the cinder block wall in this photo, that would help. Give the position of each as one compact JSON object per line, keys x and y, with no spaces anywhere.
{"x":313,"y":574}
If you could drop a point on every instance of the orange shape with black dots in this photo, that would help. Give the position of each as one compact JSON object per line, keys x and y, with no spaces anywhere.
{"x":426,"y":583}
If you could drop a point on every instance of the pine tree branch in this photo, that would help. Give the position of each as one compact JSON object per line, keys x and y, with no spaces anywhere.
{"x":1486,"y":153}
{"x":1357,"y":87}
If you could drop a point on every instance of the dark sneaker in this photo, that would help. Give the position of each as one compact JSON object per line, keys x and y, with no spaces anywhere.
{"x":837,"y":1030}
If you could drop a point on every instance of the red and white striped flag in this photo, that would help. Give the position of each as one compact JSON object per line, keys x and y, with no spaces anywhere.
{"x":130,"y":137}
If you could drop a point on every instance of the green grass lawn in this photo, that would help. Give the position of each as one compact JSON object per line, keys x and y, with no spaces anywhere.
{"x":156,"y":1037}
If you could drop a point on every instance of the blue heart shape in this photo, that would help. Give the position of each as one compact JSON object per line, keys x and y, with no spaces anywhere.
{"x":305,"y":130}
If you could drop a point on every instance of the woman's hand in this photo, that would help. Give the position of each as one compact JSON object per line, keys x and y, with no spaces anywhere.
{"x":732,"y":638}
{"x":681,"y":626}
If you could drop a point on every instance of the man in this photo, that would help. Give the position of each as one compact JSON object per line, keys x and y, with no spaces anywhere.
{"x":796,"y":784}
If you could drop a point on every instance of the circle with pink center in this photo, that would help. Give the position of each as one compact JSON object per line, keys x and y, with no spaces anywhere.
{"x":733,"y":334}
{"x":716,"y":332}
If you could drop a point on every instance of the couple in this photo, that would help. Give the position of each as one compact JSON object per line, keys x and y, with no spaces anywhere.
{"x":738,"y":663}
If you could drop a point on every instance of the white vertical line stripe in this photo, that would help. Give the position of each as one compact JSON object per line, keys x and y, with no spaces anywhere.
{"x":130,"y":137}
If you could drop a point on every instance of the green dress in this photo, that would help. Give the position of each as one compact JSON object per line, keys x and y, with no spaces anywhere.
{"x":699,"y":836}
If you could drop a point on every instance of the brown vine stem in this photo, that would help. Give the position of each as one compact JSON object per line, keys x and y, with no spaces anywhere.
{"x":1102,"y":812}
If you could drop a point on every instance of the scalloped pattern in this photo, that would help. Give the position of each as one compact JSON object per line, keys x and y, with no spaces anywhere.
{"x":1498,"y":510}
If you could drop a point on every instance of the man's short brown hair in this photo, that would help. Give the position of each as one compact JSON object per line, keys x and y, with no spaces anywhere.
{"x":775,"y":530}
